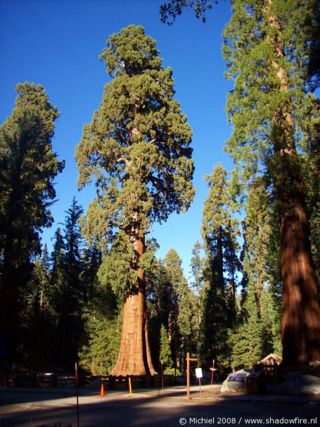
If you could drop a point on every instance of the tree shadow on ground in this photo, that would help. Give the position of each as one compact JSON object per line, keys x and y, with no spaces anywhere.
{"x":169,"y":410}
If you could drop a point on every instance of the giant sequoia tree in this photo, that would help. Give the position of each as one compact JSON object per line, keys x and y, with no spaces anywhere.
{"x":272,"y":50}
{"x":137,"y":149}
{"x":266,"y":46}
{"x":27,"y":170}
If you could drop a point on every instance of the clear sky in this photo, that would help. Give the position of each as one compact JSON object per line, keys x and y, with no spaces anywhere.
{"x":56,"y":43}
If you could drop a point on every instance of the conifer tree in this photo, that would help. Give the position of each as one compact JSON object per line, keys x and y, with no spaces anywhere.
{"x":312,"y":173}
{"x":197,"y":266}
{"x":161,"y":300}
{"x":165,"y":351}
{"x":182,"y":322}
{"x":266,"y":47}
{"x":272,"y":50}
{"x":70,"y":288}
{"x":27,"y":170}
{"x":137,"y":149}
{"x":261,"y":251}
{"x":247,"y":338}
{"x":219,"y":231}
{"x":37,"y":317}
{"x":101,"y":339}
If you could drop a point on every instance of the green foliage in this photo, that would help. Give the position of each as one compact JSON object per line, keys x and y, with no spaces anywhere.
{"x":259,"y":320}
{"x":70,"y":292}
{"x":182,"y":323}
{"x":137,"y":149}
{"x":37,"y":317}
{"x":169,"y":11}
{"x":247,"y":339}
{"x":165,"y":351}
{"x":102,"y":329}
{"x":219,"y":231}
{"x":312,"y":174}
{"x":267,"y":48}
{"x":249,"y":49}
{"x":137,"y":145}
{"x":160,"y":307}
{"x":172,"y":371}
{"x":27,"y":170}
{"x":114,"y":268}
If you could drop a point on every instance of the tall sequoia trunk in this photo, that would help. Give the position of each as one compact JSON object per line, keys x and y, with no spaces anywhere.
{"x":301,"y":311}
{"x":134,"y":356}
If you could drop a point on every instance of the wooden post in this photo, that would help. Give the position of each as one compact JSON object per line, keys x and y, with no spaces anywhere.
{"x":130,"y":387}
{"x":162,"y":376}
{"x":212,"y":372}
{"x":188,"y":376}
{"x":77,"y":392}
{"x":189,"y":359}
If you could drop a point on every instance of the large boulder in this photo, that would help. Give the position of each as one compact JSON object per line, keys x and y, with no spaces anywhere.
{"x":302,"y":383}
{"x":235,"y":382}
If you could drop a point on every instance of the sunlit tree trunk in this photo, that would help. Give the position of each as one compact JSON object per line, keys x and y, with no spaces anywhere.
{"x":301,"y":311}
{"x":134,"y":356}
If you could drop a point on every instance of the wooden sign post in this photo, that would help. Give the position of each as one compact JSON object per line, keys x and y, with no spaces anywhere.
{"x":77,"y":391}
{"x":212,"y":372}
{"x":189,"y":359}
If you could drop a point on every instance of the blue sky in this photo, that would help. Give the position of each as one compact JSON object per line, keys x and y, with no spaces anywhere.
{"x":56,"y":43}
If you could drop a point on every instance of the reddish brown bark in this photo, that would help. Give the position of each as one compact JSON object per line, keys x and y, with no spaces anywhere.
{"x":134,"y":355}
{"x":301,"y":311}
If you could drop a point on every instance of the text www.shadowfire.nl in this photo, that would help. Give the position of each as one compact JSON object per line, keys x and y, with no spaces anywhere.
{"x":247,"y":421}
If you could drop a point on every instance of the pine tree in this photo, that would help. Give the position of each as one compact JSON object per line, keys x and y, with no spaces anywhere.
{"x":100,"y":343}
{"x":182,"y":322}
{"x":27,"y":170}
{"x":67,"y":271}
{"x":37,"y":317}
{"x":165,"y":351}
{"x":161,"y":303}
{"x":137,"y":149}
{"x":219,"y":231}
{"x":197,"y":266}
{"x":247,"y":339}
{"x":263,"y":252}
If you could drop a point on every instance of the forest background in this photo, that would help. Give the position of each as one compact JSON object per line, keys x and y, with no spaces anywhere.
{"x":64,"y":292}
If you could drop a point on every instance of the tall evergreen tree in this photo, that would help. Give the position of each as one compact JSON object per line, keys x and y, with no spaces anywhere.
{"x":37,"y":317}
{"x":261,"y":251}
{"x":197,"y":266}
{"x":219,"y":231}
{"x":165,"y":351}
{"x":266,"y":47}
{"x":272,"y":49}
{"x":69,"y":287}
{"x":27,"y":170}
{"x":137,"y":148}
{"x":161,"y":303}
{"x":182,"y":322}
{"x":101,"y":339}
{"x":247,"y":338}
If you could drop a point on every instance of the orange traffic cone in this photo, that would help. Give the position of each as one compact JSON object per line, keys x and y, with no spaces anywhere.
{"x":102,"y":393}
